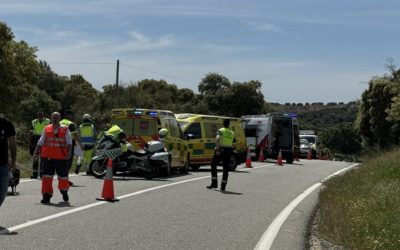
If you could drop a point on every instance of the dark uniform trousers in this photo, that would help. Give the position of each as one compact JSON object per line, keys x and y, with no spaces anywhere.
{"x":225,"y":156}
{"x":35,"y":163}
{"x":52,"y":166}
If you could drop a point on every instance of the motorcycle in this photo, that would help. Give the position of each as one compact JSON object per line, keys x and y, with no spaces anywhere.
{"x":149,"y":161}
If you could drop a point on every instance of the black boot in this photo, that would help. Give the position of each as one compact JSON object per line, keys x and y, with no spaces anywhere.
{"x":46,"y":199}
{"x":77,"y":169}
{"x":65,"y":195}
{"x":214,"y":184}
{"x":223,"y":185}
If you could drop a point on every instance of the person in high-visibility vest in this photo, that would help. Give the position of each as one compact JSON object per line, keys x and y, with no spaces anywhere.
{"x":55,"y":145}
{"x":69,"y":118}
{"x":114,"y":131}
{"x":38,"y":125}
{"x":88,"y":135}
{"x":223,"y":150}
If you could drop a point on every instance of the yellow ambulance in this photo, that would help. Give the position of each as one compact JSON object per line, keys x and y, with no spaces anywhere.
{"x":200,"y":132}
{"x":142,"y":126}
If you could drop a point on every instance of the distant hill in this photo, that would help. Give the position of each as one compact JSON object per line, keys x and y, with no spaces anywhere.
{"x":319,"y":116}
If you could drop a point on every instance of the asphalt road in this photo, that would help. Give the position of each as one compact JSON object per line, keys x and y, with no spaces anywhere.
{"x":168,"y":213}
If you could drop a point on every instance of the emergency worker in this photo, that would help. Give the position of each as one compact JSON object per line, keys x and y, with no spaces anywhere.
{"x":114,"y":131}
{"x":69,"y":118}
{"x":223,"y":151}
{"x":87,"y":134}
{"x":119,"y":134}
{"x":162,"y":133}
{"x":38,"y":125}
{"x":55,"y":145}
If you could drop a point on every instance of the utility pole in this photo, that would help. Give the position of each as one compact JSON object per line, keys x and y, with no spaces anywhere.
{"x":117,"y":81}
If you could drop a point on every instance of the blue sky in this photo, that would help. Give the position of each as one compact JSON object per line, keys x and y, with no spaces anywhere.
{"x":302,"y":51}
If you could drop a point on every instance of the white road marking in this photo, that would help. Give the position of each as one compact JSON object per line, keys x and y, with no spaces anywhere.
{"x":74,"y":210}
{"x":269,"y":235}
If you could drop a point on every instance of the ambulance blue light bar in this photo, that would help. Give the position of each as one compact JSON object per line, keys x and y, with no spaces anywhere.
{"x":152,"y":113}
{"x":293,"y":114}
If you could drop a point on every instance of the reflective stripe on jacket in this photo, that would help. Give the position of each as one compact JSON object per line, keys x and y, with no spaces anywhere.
{"x":38,"y":126}
{"x":86,"y":132}
{"x":227,"y":137}
{"x":55,"y":145}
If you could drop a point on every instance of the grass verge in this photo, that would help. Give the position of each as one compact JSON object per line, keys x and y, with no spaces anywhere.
{"x":361,"y":209}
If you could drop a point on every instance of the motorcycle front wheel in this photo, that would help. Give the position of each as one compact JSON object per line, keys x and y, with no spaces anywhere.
{"x":99,"y":168}
{"x":151,"y":172}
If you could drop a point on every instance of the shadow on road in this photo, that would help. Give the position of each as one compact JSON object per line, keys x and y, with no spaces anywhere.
{"x":5,"y":231}
{"x":60,"y":204}
{"x":230,"y":192}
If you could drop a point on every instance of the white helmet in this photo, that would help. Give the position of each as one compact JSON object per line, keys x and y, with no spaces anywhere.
{"x":86,"y":116}
{"x":163,"y":133}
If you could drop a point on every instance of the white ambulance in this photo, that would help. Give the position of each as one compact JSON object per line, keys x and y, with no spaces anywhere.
{"x":272,"y":132}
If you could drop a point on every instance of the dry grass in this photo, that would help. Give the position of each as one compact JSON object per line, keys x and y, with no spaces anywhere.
{"x":24,"y":161}
{"x":361,"y":209}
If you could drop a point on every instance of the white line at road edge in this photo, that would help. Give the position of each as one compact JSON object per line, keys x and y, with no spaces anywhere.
{"x":54,"y":216}
{"x":269,"y":235}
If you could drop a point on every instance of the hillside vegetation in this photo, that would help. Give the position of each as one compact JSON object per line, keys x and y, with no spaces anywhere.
{"x":360,"y":210}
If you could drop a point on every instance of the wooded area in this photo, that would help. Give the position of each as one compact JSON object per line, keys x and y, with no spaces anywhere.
{"x":27,"y":84}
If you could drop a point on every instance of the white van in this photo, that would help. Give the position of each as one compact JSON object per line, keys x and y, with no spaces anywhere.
{"x":272,"y":132}
{"x":313,"y":139}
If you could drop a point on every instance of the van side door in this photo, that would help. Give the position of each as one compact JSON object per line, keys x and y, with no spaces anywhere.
{"x":194,"y":143}
{"x":210,"y":132}
{"x":174,"y":142}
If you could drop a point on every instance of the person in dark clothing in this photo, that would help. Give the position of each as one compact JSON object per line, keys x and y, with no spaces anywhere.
{"x":7,"y":142}
{"x":223,"y":150}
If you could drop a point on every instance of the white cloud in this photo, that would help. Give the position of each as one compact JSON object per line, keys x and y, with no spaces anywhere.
{"x":265,"y":27}
{"x":216,"y":48}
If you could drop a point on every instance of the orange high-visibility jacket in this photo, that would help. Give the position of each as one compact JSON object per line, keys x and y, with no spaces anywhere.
{"x":55,"y":145}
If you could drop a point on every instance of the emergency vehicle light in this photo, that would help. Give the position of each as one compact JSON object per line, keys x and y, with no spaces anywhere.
{"x":138,"y":112}
{"x":152,"y":113}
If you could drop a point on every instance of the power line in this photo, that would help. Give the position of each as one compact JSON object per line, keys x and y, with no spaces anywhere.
{"x":157,"y":73}
{"x":127,"y":65}
{"x":82,"y":62}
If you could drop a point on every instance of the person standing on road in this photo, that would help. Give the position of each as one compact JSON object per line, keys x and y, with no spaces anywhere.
{"x":55,"y":145}
{"x":223,"y":150}
{"x":38,"y":125}
{"x":69,"y":119}
{"x":7,"y":141}
{"x":88,"y":135}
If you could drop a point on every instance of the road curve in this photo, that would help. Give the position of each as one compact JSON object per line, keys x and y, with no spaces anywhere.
{"x":169,"y":213}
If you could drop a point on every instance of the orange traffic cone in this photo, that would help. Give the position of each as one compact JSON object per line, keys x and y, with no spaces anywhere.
{"x":248,"y":159}
{"x":261,"y":156}
{"x":108,"y":186}
{"x":279,"y":161}
{"x":309,"y":154}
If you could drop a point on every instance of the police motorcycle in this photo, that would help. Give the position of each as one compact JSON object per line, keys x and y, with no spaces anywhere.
{"x":149,"y":161}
